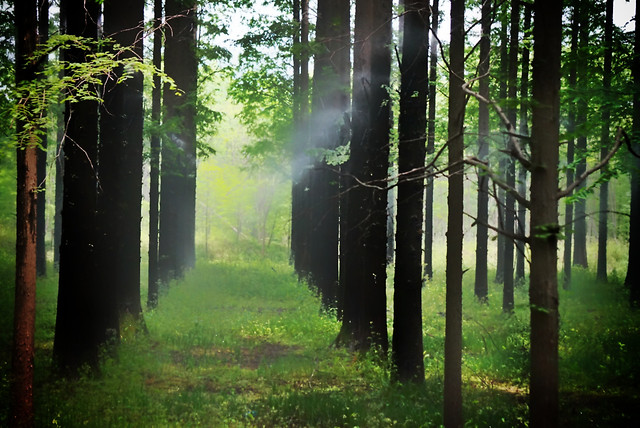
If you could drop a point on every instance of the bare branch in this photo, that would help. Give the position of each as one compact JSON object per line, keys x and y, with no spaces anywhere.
{"x":474,"y":161}
{"x":510,"y":235}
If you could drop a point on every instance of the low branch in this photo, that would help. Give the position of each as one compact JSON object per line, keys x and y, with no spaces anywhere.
{"x":474,"y":161}
{"x":510,"y":235}
{"x":566,"y":192}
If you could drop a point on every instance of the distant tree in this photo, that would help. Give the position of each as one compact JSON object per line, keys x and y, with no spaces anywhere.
{"x":327,"y":127}
{"x":632,"y":279}
{"x":605,"y":143}
{"x":41,"y":250}
{"x":120,"y":160}
{"x":481,"y":287}
{"x":22,"y":413}
{"x":453,"y":330}
{"x":363,"y":268}
{"x":407,"y":348}
{"x":431,"y":137}
{"x":154,"y":159}
{"x":176,"y":248}
{"x":543,"y":288}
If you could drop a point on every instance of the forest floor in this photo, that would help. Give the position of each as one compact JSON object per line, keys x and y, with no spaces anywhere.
{"x":239,"y":342}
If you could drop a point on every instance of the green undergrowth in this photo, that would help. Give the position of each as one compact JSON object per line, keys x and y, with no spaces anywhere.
{"x":239,"y":342}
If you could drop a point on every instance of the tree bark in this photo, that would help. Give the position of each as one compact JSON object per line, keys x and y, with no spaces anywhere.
{"x":543,"y":288}
{"x":503,"y":162}
{"x":605,"y":143}
{"x":481,"y":287}
{"x":22,"y":362}
{"x":364,"y":320}
{"x":407,"y":347}
{"x":41,"y":250}
{"x":453,"y":329}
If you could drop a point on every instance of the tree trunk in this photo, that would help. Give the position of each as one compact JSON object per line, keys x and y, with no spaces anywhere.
{"x":176,"y":248}
{"x":330,"y":103}
{"x":431,"y":138}
{"x":481,"y":287}
{"x":41,"y":250}
{"x":22,"y":412}
{"x":632,"y":279}
{"x":87,"y":312}
{"x":524,"y":130}
{"x":120,"y":164}
{"x":543,"y":288}
{"x":453,"y":330}
{"x":605,"y":143}
{"x":407,"y":347}
{"x":364,"y":317}
{"x":503,"y":162}
{"x":154,"y":161}
{"x":510,"y":202}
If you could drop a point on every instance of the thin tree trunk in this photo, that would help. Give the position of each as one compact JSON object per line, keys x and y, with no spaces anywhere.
{"x":407,"y":347}
{"x":431,"y":138}
{"x":605,"y":142}
{"x":453,"y":329}
{"x":481,"y":287}
{"x":543,"y":289}
{"x":22,"y":361}
{"x":154,"y":162}
{"x":503,"y":162}
{"x":41,"y":250}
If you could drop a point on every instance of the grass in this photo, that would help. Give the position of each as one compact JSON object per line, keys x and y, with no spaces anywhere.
{"x":239,"y":342}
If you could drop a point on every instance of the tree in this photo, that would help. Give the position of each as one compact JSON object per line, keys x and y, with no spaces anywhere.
{"x":481,"y":287}
{"x":120,"y":161}
{"x":453,"y":330}
{"x":605,"y":143}
{"x":22,"y":414}
{"x":41,"y":250}
{"x":363,"y":267}
{"x":327,"y":127}
{"x":543,"y":288}
{"x":154,"y":160}
{"x":631,"y":280}
{"x":431,"y":137}
{"x":86,"y":313}
{"x":176,"y":247}
{"x":407,"y":348}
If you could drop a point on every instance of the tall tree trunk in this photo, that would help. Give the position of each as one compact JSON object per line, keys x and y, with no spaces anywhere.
{"x":41,"y":250}
{"x":453,"y":330}
{"x":510,"y":202}
{"x":407,"y":347}
{"x":503,"y":162}
{"x":524,"y":130}
{"x":481,"y":287}
{"x":605,"y":143}
{"x":57,"y":216}
{"x":543,"y":288}
{"x":22,"y":413}
{"x":632,"y":279}
{"x":580,"y":224}
{"x":154,"y":161}
{"x":364,"y":317}
{"x":87,"y":312}
{"x":120,"y":163}
{"x":330,"y":103}
{"x":431,"y":138}
{"x":176,"y":247}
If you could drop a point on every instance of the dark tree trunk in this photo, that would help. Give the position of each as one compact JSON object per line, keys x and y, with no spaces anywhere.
{"x":364,"y":317}
{"x":571,"y":129}
{"x":407,"y":348}
{"x":41,"y":250}
{"x":632,"y":279}
{"x":481,"y":287}
{"x":453,"y":330}
{"x":22,"y":412}
{"x":503,"y":162}
{"x":605,"y":142}
{"x":57,"y":216}
{"x":543,"y":288}
{"x":580,"y":231}
{"x":330,"y":103}
{"x":524,"y":130}
{"x":87,"y":311}
{"x":154,"y":161}
{"x":176,"y":247}
{"x":510,"y":202}
{"x":431,"y":138}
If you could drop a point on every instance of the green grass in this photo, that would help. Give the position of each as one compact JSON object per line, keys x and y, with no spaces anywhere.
{"x":239,"y":342}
